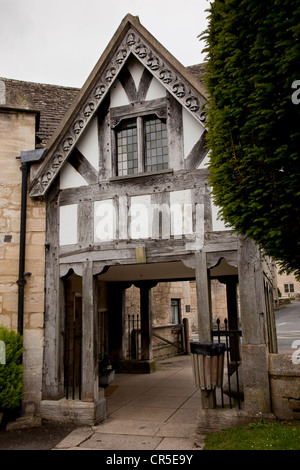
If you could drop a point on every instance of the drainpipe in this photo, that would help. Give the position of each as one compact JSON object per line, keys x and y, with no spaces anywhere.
{"x":22,"y":279}
{"x":27,"y":158}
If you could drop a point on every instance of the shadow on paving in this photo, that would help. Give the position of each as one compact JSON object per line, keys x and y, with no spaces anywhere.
{"x":155,"y":411}
{"x":43,"y":437}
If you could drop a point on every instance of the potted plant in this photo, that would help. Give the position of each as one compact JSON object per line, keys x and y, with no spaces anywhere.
{"x":106,"y":370}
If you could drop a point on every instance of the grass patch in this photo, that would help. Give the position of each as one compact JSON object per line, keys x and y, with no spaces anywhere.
{"x":260,"y":435}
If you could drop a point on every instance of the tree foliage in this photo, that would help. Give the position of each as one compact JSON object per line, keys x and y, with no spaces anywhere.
{"x":11,"y":373}
{"x":253,"y":59}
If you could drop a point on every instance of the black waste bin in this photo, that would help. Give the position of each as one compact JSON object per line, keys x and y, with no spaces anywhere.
{"x":208,"y":364}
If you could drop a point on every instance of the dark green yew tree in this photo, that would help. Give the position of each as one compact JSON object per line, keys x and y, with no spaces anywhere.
{"x":253,"y":78}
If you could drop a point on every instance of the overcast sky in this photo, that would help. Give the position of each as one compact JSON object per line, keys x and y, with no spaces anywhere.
{"x":60,"y":41}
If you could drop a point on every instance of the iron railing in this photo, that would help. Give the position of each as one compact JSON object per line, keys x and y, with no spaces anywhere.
{"x":232,"y":361}
{"x":133,"y":337}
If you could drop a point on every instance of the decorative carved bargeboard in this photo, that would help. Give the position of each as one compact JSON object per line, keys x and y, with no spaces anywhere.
{"x":132,"y":44}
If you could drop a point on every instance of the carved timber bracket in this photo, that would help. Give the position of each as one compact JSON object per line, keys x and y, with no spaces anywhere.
{"x":68,"y":269}
{"x":134,"y":44}
{"x":77,"y":268}
{"x":189,"y":263}
{"x":215,"y":259}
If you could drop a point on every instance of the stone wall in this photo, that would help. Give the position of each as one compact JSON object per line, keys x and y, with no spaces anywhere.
{"x":161,"y":300}
{"x":17,"y":133}
{"x":285,"y":386}
{"x":186,"y":292}
{"x":284,"y":375}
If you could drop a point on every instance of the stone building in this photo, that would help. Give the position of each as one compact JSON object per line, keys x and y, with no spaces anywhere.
{"x":111,"y":205}
{"x":288,"y":285}
{"x":29,"y":114}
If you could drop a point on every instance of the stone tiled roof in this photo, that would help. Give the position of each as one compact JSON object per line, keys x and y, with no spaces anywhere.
{"x":53,"y":101}
{"x":198,"y":71}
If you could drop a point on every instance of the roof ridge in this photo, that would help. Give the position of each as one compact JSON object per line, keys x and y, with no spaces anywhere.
{"x":68,"y":87}
{"x":39,"y":83}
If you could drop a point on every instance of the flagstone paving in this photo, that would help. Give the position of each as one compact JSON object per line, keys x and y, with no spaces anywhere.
{"x":155,"y":411}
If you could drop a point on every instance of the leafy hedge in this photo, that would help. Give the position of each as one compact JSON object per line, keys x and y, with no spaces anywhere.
{"x":253,"y":124}
{"x":11,"y":373}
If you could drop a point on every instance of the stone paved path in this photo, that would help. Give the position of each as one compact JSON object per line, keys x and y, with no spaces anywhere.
{"x":155,"y":411}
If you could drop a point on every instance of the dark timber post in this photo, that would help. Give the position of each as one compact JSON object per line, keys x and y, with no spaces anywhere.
{"x":208,"y":397}
{"x":146,"y":319}
{"x":146,"y":322}
{"x":254,"y":347}
{"x":89,"y":334}
{"x":117,"y":338}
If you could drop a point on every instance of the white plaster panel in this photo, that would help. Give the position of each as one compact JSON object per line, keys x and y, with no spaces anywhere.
{"x":140,"y":217}
{"x":181,"y":210}
{"x":118,"y":96}
{"x":2,"y":94}
{"x":68,"y":224}
{"x":70,"y":178}
{"x":88,"y":143}
{"x":204,"y":164}
{"x":105,"y":219}
{"x":156,"y":90}
{"x":136,"y":69}
{"x":192,"y":131}
{"x":218,"y":225}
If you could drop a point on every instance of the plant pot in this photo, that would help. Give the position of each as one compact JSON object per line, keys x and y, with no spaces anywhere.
{"x":107,"y":379}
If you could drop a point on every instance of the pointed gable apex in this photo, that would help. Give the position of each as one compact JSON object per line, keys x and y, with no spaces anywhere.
{"x":130,"y":38}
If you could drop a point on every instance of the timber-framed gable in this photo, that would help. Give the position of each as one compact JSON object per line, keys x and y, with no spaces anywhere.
{"x":133,"y":40}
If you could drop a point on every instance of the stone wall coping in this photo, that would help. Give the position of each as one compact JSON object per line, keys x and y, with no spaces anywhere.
{"x":281,"y":365}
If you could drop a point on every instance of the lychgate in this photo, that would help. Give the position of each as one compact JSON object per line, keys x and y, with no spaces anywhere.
{"x":128,"y":202}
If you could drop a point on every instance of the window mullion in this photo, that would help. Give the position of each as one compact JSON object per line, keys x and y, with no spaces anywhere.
{"x":141,"y":145}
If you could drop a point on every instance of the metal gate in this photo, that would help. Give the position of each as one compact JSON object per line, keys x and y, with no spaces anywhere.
{"x":231,"y":338}
{"x":133,"y":337}
{"x":133,"y":333}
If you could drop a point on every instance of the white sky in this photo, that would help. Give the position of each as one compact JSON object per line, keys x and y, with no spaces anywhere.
{"x":60,"y":41}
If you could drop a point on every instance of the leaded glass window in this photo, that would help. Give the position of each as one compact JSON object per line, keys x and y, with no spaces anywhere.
{"x":142,"y":145}
{"x":156,"y":152}
{"x":127,"y":150}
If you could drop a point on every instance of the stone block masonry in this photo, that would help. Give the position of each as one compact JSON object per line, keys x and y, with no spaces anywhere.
{"x":285,"y":386}
{"x":17,"y":133}
{"x":185,"y":291}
